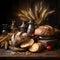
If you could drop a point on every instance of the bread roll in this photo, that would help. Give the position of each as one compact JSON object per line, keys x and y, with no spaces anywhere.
{"x":35,"y":47}
{"x":44,"y":30}
{"x":27,"y":44}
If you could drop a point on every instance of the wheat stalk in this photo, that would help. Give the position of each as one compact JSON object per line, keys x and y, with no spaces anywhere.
{"x":40,"y":6}
{"x":25,"y":13}
{"x":30,"y":13}
{"x":36,"y":11}
{"x":41,"y":12}
{"x":48,"y":13}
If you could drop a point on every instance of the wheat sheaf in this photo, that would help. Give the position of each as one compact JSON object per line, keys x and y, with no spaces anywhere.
{"x":41,"y":12}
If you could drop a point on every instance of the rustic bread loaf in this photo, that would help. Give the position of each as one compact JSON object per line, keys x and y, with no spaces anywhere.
{"x":44,"y":30}
{"x":19,"y":37}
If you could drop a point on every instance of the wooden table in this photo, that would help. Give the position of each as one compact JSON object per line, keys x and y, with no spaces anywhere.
{"x":23,"y":55}
{"x":8,"y":54}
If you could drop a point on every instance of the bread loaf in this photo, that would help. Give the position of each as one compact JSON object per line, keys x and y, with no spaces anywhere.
{"x":44,"y":30}
{"x":18,"y":38}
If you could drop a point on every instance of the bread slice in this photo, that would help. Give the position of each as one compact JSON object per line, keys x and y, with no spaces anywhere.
{"x":27,"y":44}
{"x":35,"y":47}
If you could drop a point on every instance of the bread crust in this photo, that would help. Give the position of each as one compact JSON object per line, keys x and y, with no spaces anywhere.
{"x":44,"y":30}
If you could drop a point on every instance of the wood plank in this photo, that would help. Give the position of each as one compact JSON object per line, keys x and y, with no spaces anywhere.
{"x":9,"y":53}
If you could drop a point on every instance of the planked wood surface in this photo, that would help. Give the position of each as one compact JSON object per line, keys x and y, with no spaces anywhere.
{"x":9,"y":53}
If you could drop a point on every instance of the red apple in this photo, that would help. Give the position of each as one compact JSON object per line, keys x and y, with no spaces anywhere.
{"x":49,"y":47}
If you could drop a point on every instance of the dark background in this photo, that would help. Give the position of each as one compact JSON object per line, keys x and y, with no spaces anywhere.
{"x":9,"y":8}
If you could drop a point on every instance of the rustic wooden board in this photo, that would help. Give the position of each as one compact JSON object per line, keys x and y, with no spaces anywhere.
{"x":9,"y":53}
